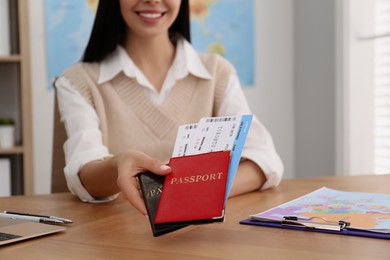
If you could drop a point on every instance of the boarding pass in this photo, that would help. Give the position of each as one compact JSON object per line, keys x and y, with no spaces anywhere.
{"x":212,"y":134}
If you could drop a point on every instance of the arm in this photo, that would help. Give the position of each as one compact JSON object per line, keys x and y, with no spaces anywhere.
{"x":92,"y":173}
{"x":102,"y":178}
{"x":262,"y":167}
{"x":249,"y":177}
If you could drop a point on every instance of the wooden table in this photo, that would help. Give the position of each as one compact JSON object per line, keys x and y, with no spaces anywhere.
{"x":116,"y":231}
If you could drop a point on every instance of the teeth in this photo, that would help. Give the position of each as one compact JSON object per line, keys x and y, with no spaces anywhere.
{"x":150,"y":15}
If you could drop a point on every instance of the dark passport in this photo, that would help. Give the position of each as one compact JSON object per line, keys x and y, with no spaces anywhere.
{"x":151,"y":187}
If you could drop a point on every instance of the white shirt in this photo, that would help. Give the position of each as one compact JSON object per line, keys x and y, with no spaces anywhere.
{"x":84,"y":143}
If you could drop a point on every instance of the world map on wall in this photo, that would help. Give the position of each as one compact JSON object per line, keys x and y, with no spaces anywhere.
{"x":226,"y":27}
{"x":218,"y":26}
{"x":68,"y":26}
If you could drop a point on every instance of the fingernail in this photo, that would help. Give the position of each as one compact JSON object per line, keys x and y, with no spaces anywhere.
{"x":146,"y":216}
{"x":165,"y":167}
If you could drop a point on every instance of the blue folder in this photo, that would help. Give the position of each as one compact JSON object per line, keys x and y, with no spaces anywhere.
{"x":349,"y":232}
{"x":331,"y":211}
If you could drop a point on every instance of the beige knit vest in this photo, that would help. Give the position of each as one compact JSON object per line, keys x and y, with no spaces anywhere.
{"x":129,"y":120}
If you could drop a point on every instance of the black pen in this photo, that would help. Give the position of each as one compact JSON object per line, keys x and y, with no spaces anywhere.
{"x":64,"y":220}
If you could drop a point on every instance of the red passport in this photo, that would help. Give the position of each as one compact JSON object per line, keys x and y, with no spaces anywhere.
{"x":195,"y":190}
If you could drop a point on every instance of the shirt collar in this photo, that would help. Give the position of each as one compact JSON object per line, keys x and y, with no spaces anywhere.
{"x":186,"y":61}
{"x":114,"y":63}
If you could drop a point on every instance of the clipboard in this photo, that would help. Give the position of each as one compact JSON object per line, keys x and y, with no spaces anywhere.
{"x":331,"y":211}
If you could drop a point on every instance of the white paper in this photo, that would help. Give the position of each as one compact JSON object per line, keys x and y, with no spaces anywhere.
{"x":183,"y":139}
{"x":5,"y":177}
{"x":214,"y":134}
{"x":5,"y":42}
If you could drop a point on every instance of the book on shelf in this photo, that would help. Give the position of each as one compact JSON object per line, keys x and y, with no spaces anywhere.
{"x":5,"y":41}
{"x":5,"y":177}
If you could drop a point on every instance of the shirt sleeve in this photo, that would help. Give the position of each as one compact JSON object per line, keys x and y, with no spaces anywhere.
{"x":84,"y":143}
{"x":259,"y":146}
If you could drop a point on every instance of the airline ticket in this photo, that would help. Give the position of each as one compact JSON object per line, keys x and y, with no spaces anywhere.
{"x":214,"y":134}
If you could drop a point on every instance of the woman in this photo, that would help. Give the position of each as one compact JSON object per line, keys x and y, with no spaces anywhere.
{"x":139,"y":80}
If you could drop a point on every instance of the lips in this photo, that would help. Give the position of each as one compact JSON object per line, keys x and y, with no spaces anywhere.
{"x":151,"y":15}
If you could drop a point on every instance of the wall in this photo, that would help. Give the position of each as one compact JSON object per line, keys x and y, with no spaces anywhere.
{"x":272,"y":99}
{"x":314,"y":70}
{"x":42,"y":101}
{"x":355,"y":87}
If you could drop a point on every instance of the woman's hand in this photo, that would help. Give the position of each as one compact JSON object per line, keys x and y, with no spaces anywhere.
{"x":103,"y":178}
{"x":129,"y":164}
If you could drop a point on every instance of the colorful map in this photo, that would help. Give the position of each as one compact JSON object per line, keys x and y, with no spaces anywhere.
{"x":369,"y":211}
{"x":226,"y":27}
{"x":68,"y":26}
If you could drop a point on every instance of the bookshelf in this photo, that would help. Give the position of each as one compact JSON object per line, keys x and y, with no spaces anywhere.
{"x":16,"y":100}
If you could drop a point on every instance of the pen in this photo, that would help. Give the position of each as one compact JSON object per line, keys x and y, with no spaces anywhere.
{"x":35,"y":218}
{"x":66,"y":221}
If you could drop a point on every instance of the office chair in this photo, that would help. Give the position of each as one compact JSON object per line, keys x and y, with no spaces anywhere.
{"x":58,"y":182}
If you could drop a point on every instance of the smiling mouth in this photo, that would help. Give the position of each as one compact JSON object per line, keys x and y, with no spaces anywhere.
{"x":151,"y":15}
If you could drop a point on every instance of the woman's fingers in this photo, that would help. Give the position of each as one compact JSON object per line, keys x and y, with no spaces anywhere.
{"x":129,"y":165}
{"x":129,"y":188}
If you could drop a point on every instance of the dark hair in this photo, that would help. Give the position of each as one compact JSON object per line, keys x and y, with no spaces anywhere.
{"x":109,"y":29}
